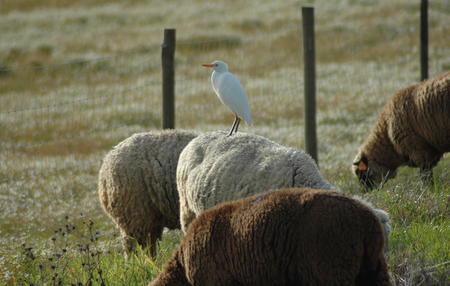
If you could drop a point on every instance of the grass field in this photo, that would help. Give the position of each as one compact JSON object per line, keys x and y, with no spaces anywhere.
{"x":77,"y":77}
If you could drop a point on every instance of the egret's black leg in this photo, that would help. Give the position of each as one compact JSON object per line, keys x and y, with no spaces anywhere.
{"x":232,"y":127}
{"x":237,"y":124}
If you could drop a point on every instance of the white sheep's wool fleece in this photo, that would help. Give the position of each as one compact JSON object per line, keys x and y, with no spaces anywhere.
{"x":215,"y":168}
{"x":137,"y":185}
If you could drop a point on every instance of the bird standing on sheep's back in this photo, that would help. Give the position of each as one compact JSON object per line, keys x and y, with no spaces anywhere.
{"x":231,"y":93}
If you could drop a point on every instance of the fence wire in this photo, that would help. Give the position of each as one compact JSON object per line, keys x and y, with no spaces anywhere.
{"x":77,"y":62}
{"x":113,"y":96}
{"x":110,"y":97}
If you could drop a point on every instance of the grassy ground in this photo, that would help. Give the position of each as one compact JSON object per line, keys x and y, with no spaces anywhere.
{"x":77,"y":77}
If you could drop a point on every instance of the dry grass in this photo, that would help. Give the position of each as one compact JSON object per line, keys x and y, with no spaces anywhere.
{"x":57,"y":122}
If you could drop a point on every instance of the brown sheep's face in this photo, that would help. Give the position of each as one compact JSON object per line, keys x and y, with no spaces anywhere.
{"x":369,"y":173}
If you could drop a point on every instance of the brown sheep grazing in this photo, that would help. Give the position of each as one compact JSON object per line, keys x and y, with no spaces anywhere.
{"x":286,"y":237}
{"x":413,"y":130}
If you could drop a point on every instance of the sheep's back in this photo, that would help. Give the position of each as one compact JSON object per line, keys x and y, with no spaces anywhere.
{"x":141,"y":170}
{"x":432,"y":99}
{"x":292,"y":230}
{"x":215,"y":168}
{"x":423,"y":110}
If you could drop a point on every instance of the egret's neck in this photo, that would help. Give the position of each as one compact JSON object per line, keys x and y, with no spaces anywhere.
{"x":216,"y":74}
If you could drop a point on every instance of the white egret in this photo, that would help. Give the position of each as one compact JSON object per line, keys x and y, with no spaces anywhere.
{"x":231,"y":93}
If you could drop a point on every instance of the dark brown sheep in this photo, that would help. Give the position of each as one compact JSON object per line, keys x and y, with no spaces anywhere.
{"x":413,"y":130}
{"x":285,"y":237}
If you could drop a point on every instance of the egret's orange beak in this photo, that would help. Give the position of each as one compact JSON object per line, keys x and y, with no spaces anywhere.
{"x":208,"y":65}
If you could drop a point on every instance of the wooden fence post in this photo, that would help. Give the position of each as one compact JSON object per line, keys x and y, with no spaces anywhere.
{"x":310,"y":82}
{"x":168,"y":79}
{"x":424,"y":39}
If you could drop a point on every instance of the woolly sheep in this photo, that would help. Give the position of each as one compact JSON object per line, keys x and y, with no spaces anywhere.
{"x":413,"y":129}
{"x":215,"y":168}
{"x":287,"y":237}
{"x":137,"y":186}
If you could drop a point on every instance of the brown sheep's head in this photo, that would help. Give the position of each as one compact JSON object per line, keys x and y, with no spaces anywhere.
{"x":370,"y":174}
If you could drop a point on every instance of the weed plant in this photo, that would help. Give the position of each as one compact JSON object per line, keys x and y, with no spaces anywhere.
{"x":78,"y":254}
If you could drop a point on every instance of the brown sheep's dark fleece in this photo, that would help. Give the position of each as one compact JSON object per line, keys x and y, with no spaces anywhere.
{"x":413,"y":129}
{"x":286,"y":237}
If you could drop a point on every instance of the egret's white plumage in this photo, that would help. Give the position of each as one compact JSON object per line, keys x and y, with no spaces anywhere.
{"x":230,"y":92}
